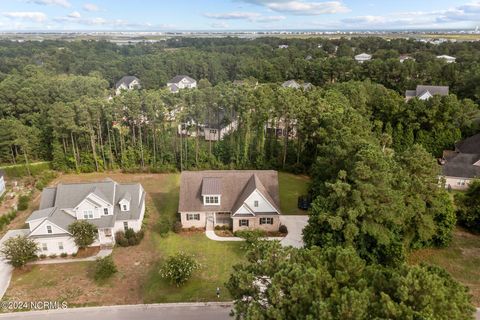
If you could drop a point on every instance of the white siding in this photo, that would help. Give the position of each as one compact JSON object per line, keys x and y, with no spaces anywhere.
{"x":52,"y":243}
{"x":193,"y":223}
{"x":42,"y":229}
{"x":457,"y":183}
{"x":34,"y":223}
{"x":263,"y":204}
{"x":2,"y":185}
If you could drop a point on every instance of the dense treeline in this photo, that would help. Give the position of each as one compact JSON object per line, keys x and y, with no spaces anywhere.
{"x":320,"y":61}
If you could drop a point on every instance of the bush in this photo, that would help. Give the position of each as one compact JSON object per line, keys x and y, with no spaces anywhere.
{"x":468,"y":207}
{"x":7,"y":218}
{"x":104,"y":268}
{"x":283,"y":229}
{"x":178,"y":268}
{"x":23,"y":202}
{"x":19,"y":171}
{"x":177,"y":227}
{"x":63,"y":255}
{"x":164,"y":226}
{"x":44,"y":179}
{"x":52,"y":256}
{"x":83,"y":232}
{"x":74,"y":254}
{"x":129,"y":237}
{"x":19,"y":250}
{"x":42,"y":256}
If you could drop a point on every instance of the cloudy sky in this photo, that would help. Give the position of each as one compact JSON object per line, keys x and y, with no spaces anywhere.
{"x":236,"y":14}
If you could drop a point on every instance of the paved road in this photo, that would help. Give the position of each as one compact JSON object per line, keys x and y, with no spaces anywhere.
{"x":5,"y":268}
{"x":168,"y":311}
{"x":295,"y":225}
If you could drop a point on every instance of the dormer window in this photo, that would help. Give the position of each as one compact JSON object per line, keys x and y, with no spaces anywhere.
{"x":212,"y":200}
{"x":125,"y":202}
{"x":124,"y":207}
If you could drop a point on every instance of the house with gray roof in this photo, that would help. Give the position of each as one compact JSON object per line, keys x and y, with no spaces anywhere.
{"x":447,"y":59}
{"x":461,"y":166}
{"x":295,"y":85}
{"x":127,"y":83}
{"x":180,"y":82}
{"x":362,"y":57}
{"x":242,"y":199}
{"x":108,"y":205}
{"x":426,"y":92}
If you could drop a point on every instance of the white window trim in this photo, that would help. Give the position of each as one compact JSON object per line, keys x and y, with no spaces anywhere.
{"x":87,"y":214}
{"x":212,"y":200}
{"x":266,"y":220}
{"x":193,"y":216}
{"x":49,"y":229}
{"x":60,"y":246}
{"x":241,"y":221}
{"x":44,"y":247}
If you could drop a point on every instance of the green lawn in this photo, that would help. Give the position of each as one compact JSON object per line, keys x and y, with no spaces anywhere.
{"x":291,"y":187}
{"x":216,"y":258}
{"x":461,"y":259}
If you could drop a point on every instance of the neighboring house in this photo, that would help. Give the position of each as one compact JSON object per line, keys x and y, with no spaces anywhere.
{"x":242,"y":199}
{"x":295,"y":85}
{"x":447,"y":59}
{"x":3,"y":188}
{"x":180,"y":82}
{"x":218,"y":129}
{"x":127,"y":83}
{"x":426,"y":92}
{"x":108,"y":205}
{"x":405,"y":57}
{"x":279,"y":128}
{"x":362,"y":57}
{"x":283,"y":46}
{"x":461,"y":166}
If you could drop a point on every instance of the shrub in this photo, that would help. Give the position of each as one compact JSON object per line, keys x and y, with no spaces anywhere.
{"x":52,"y":256}
{"x":45,"y":179}
{"x":177,"y":227}
{"x":120,"y":239}
{"x":104,"y":268}
{"x":283,"y":229}
{"x":83,"y":233}
{"x":74,"y":254}
{"x":129,"y":237}
{"x":23,"y":202}
{"x":164,"y":226}
{"x":42,"y":256}
{"x":19,"y":250}
{"x":178,"y":268}
{"x":63,"y":255}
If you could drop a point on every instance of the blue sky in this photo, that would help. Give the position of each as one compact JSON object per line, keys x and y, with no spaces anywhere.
{"x":236,"y":14}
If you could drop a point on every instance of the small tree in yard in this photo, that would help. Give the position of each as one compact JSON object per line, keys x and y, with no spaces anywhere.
{"x":468,"y":207}
{"x":179,"y":268}
{"x":19,"y":250}
{"x":83,"y":232}
{"x":104,"y":268}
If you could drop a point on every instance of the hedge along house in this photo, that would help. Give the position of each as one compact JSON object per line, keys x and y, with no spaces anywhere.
{"x":108,"y":205}
{"x":242,"y":199}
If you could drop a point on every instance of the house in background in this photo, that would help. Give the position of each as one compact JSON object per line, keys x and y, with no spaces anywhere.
{"x":447,"y":59}
{"x":242,"y":199}
{"x":127,"y":83}
{"x":3,"y":187}
{"x":362,"y":57}
{"x":283,"y":46}
{"x":295,"y":85}
{"x":180,"y":82}
{"x":405,"y":57}
{"x":217,"y":129}
{"x":108,"y":205}
{"x":279,"y":127}
{"x":461,"y":166}
{"x":426,"y":92}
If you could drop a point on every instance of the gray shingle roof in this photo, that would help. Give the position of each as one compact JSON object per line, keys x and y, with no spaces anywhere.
{"x":137,"y":198}
{"x":291,"y":84}
{"x":40,"y":214}
{"x":235,"y":184}
{"x":47,"y":199}
{"x":70,"y":195}
{"x":439,"y":90}
{"x":461,"y":166}
{"x":179,"y":78}
{"x":469,"y":145}
{"x":211,"y":186}
{"x":126,"y":80}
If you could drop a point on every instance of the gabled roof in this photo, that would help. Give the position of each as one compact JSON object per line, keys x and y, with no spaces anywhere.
{"x":54,"y":215}
{"x":363,"y":56}
{"x":212,"y":186}
{"x":434,"y":90}
{"x":179,"y":78}
{"x":126,"y":80}
{"x":235,"y":184}
{"x":444,"y":56}
{"x":291,"y":84}
{"x":253,"y":184}
{"x":70,"y":195}
{"x":462,"y":166}
{"x":469,"y":145}
{"x":47,"y":199}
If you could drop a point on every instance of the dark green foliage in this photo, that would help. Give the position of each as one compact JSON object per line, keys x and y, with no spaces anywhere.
{"x":283,"y":228}
{"x":164,"y":226}
{"x":177,"y":227}
{"x":7,"y":218}
{"x":19,"y":250}
{"x":63,"y":255}
{"x":19,"y":171}
{"x":104,"y":268}
{"x":335,"y":283}
{"x":468,"y":207}
{"x":129,"y":237}
{"x":23,"y":202}
{"x":83,"y":232}
{"x":44,"y":179}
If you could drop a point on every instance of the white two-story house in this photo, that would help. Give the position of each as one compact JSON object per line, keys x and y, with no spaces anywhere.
{"x":127,"y":83}
{"x":108,"y":205}
{"x":180,"y":82}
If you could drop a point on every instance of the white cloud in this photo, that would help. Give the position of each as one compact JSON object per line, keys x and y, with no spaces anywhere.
{"x":250,"y":16}
{"x":302,"y":7}
{"x":90,"y":7}
{"x":26,"y":15}
{"x":75,"y":15}
{"x":219,"y":25}
{"x":62,"y":3}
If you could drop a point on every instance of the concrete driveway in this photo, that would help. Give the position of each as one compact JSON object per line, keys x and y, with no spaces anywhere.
{"x":295,"y":225}
{"x":5,"y":268}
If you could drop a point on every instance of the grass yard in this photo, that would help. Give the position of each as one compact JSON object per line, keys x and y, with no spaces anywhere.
{"x":291,"y":187}
{"x":137,"y":279}
{"x":461,"y":259}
